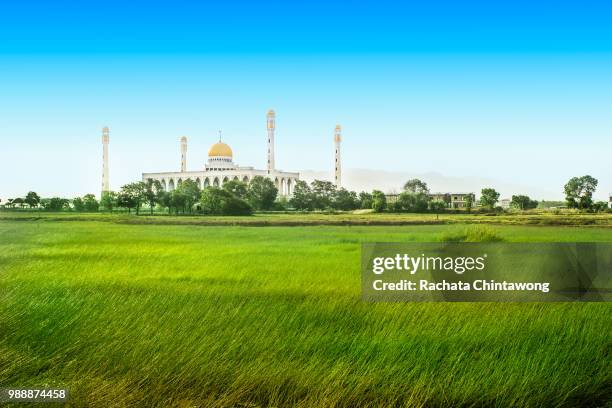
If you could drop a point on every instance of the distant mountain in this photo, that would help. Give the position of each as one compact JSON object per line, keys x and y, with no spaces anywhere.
{"x":389,"y":182}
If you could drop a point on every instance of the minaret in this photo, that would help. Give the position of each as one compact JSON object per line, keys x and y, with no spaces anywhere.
{"x":183,"y":154}
{"x":271,"y":127}
{"x":105,"y":139}
{"x":338,"y":171}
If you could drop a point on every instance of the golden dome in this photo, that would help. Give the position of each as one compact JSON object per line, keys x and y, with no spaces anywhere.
{"x":271,"y":112}
{"x":220,"y":149}
{"x":338,"y":128}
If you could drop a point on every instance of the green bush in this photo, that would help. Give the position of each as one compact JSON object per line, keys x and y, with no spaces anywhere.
{"x":216,"y":201}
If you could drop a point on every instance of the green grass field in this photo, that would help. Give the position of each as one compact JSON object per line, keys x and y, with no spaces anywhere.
{"x":191,"y":315}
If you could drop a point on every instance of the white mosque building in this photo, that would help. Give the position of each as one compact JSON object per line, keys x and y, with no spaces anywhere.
{"x":220,"y":167}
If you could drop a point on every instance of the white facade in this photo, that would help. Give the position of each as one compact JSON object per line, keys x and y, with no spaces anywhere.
{"x":610,"y":200}
{"x":220,"y":168}
{"x":284,"y":181}
{"x":505,"y":203}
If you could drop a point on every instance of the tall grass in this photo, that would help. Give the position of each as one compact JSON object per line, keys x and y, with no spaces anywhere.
{"x":163,"y":316}
{"x":473,"y":233}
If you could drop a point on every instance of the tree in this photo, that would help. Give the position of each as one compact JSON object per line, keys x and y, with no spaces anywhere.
{"x":579,"y":192}
{"x":90,"y":203}
{"x":56,"y":204}
{"x":365,"y":200}
{"x":600,"y":206}
{"x":469,"y":202}
{"x":132,"y":195}
{"x":212,"y":200}
{"x":281,"y":204}
{"x":32,"y":199}
{"x":551,"y":204}
{"x":77,"y":204}
{"x":523,"y":202}
{"x":164,"y":199}
{"x":488,"y":198}
{"x":416,"y":186}
{"x":191,"y":193}
{"x":236,"y":188}
{"x":412,"y":202}
{"x":437,"y":206}
{"x":447,"y":199}
{"x":18,"y":201}
{"x":323,"y":193}
{"x":108,"y":201}
{"x":217,"y":201}
{"x":178,"y":200}
{"x":261,"y":193}
{"x":345,"y":200}
{"x":302,"y":198}
{"x":126,"y":200}
{"x":379,"y":201}
{"x":152,"y":193}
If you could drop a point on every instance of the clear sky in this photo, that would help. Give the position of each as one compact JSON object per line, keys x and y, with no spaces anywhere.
{"x":517,"y":91}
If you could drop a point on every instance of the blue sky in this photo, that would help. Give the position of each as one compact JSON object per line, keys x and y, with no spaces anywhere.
{"x":515,"y":91}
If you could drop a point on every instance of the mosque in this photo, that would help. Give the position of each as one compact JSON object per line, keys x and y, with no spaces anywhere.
{"x":220,"y":167}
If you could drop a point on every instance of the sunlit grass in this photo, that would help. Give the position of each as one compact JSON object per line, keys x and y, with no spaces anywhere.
{"x":181,"y":315}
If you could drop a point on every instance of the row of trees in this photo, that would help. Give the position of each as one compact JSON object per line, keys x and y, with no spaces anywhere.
{"x":32,"y":200}
{"x":236,"y":197}
{"x":324,"y":195}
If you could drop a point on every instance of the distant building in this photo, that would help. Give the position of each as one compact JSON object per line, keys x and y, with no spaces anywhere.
{"x":391,"y":198}
{"x":610,"y":200}
{"x":505,"y":203}
{"x":454,"y":200}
